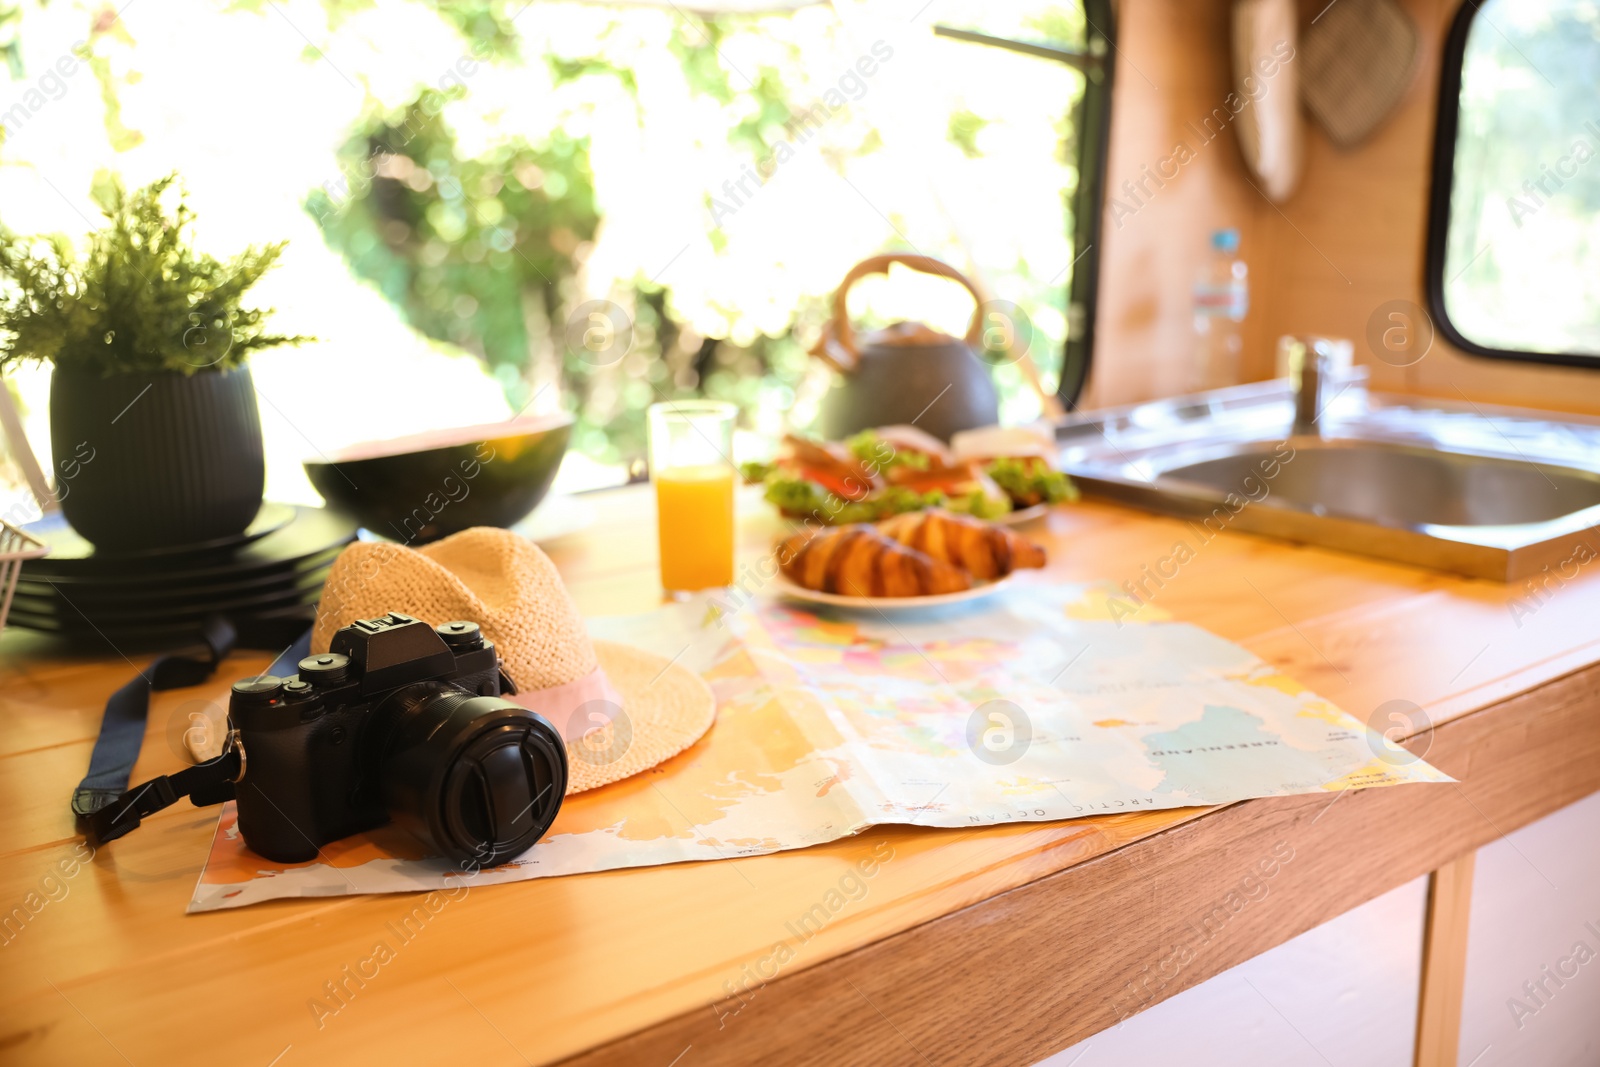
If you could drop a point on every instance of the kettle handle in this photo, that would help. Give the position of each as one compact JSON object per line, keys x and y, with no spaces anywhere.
{"x":844,"y":337}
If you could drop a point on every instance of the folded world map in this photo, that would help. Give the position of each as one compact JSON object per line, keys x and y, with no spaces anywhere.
{"x":1034,"y":706}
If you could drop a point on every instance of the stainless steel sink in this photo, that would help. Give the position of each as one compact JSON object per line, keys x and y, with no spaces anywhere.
{"x":1487,"y":492}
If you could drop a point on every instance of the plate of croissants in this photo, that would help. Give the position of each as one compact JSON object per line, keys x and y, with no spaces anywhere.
{"x":918,"y":559}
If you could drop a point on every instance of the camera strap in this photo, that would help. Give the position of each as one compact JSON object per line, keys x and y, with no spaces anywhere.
{"x":104,"y":811}
{"x":205,"y":783}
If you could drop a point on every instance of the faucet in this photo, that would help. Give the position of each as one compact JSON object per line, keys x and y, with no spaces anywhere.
{"x":1311,"y":360}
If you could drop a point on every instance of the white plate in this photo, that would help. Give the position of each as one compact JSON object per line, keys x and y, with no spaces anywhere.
{"x":1010,"y":518}
{"x":1017,"y":518}
{"x":892,"y":603}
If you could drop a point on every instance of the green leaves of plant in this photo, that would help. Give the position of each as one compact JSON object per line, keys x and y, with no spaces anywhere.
{"x":139,"y":299}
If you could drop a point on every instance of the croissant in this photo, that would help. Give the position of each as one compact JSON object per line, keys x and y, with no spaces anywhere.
{"x":982,"y":549}
{"x":857,"y":560}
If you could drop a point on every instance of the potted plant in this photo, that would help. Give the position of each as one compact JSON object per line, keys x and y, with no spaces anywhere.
{"x":148,"y":339}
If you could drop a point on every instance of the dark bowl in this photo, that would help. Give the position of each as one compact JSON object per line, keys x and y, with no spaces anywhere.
{"x":426,"y":486}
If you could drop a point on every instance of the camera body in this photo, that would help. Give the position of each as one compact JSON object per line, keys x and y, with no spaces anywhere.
{"x":398,"y":721}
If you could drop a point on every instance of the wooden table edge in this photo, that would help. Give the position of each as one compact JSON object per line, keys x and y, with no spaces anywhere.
{"x":1017,"y":977}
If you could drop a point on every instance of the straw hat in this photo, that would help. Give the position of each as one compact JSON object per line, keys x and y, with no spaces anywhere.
{"x":621,"y":709}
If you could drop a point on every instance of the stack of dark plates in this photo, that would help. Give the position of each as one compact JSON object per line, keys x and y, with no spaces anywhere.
{"x":266,"y":581}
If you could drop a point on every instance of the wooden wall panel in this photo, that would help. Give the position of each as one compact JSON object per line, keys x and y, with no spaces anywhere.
{"x":1349,"y":240}
{"x":1169,"y":74}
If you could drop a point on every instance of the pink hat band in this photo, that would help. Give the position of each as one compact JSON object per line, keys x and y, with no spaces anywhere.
{"x":577,"y":708}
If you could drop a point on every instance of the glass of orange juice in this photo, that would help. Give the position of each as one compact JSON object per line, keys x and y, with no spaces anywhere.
{"x":691,"y":464}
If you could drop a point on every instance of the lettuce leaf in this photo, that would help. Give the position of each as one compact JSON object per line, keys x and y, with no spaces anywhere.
{"x":1030,"y":480}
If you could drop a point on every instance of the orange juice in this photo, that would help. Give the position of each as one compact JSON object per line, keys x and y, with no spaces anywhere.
{"x":694,"y":522}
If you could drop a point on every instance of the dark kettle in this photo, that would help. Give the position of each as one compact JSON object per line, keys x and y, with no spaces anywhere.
{"x":908,"y":373}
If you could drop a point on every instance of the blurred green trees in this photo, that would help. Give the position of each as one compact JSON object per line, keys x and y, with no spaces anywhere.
{"x":1524,"y":233}
{"x":475,"y":251}
{"x":482,"y":252}
{"x":486,"y":248}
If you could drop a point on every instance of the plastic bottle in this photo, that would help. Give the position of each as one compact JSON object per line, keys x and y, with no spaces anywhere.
{"x":1221,"y":300}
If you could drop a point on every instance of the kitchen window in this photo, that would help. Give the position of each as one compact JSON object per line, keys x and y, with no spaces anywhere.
{"x":1514,"y":228}
{"x":467,"y":189}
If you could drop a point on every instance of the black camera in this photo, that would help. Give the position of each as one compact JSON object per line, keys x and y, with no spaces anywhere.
{"x":398,"y":720}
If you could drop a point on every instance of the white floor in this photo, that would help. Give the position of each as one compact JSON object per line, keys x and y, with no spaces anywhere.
{"x":1345,"y":993}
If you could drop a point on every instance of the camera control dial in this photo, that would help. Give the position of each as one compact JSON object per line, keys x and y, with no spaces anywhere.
{"x":260,"y":691}
{"x":329,"y":668}
{"x":461,"y":636}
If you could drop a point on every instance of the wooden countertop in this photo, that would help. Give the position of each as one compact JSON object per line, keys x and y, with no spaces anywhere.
{"x":997,"y":945}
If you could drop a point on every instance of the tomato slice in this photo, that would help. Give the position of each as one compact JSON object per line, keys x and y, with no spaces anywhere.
{"x":844,"y":486}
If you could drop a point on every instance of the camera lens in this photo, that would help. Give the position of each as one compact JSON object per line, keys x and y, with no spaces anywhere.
{"x":477,"y":777}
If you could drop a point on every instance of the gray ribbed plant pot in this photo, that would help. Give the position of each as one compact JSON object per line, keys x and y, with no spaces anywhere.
{"x":177,"y":459}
